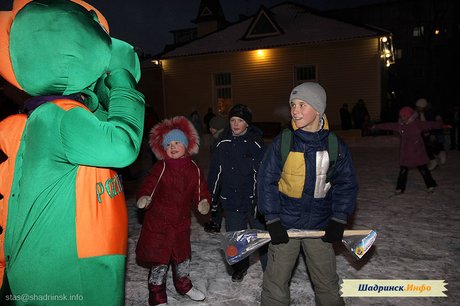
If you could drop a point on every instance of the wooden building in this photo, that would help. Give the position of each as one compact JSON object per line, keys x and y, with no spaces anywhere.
{"x":258,"y":60}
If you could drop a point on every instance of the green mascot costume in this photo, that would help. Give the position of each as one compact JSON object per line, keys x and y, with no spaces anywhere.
{"x":63,"y":234}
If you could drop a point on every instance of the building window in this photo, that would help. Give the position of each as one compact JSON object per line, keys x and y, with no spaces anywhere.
{"x":304,"y":74}
{"x":417,"y":31}
{"x":223,"y":90}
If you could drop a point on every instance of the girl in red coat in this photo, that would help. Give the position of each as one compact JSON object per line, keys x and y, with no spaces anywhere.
{"x":174,"y":184}
{"x":412,"y":150}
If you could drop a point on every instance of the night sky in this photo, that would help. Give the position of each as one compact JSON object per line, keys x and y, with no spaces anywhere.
{"x":146,"y":24}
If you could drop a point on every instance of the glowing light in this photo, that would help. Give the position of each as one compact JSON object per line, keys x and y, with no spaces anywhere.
{"x":261,"y":53}
{"x":436,"y":32}
{"x":386,"y":50}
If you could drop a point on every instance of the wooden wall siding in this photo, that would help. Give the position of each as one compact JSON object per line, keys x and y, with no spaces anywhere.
{"x":151,"y":85}
{"x":348,"y":70}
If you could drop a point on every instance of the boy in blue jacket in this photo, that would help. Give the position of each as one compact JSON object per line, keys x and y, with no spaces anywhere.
{"x":232,"y":178}
{"x":296,"y":195}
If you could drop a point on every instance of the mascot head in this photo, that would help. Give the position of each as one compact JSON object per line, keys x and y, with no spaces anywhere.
{"x":60,"y":47}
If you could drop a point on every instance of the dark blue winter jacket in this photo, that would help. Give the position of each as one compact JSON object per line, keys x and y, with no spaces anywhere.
{"x":233,"y":169}
{"x":315,"y":202}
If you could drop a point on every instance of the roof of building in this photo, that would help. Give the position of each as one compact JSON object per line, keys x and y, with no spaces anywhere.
{"x":284,"y":24}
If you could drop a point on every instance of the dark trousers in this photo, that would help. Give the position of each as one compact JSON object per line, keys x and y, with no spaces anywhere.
{"x":216,"y":216}
{"x":236,"y":221}
{"x":423,"y":169}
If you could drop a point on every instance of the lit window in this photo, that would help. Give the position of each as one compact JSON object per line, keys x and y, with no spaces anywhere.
{"x":223,"y":91}
{"x":418,"y":31}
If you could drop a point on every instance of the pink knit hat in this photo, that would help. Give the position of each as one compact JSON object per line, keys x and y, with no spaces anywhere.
{"x":406,"y":112}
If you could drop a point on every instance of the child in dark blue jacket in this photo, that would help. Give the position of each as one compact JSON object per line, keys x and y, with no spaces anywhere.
{"x":232,"y":177}
{"x":297,"y":195}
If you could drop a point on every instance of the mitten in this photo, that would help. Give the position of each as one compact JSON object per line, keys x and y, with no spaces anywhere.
{"x":334,"y":232}
{"x":203,"y":207}
{"x":277,"y":233}
{"x":144,"y":202}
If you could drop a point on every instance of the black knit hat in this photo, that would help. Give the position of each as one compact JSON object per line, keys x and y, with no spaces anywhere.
{"x":242,"y":111}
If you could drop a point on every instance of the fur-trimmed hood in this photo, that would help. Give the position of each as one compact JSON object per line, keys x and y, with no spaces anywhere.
{"x":161,"y":129}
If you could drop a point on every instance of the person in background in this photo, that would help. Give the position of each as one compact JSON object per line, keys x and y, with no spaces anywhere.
{"x":345,"y":117}
{"x":174,"y":185}
{"x":297,"y":196}
{"x":207,"y":118}
{"x":196,"y":121}
{"x":217,"y":126}
{"x":412,"y":153}
{"x":232,"y":178}
{"x":359,"y":113}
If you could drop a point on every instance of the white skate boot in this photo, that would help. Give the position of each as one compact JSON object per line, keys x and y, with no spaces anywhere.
{"x":195,"y":294}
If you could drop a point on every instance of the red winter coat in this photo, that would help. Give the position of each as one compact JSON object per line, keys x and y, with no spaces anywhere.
{"x":165,"y":234}
{"x":412,"y":151}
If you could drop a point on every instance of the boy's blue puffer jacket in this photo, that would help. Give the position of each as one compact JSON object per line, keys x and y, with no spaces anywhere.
{"x":307,"y":212}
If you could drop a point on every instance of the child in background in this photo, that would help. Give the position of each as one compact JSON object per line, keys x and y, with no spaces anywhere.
{"x":174,"y":184}
{"x":298,"y":196}
{"x":412,"y":153}
{"x":232,"y":177}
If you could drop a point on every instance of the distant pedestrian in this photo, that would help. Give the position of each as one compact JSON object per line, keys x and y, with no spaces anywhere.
{"x":345,"y":117}
{"x":196,"y":121}
{"x":207,"y":118}
{"x":359,"y":113}
{"x":175,"y":185}
{"x":412,"y":152}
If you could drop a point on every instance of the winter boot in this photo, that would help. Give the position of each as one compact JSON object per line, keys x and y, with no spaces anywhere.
{"x":433,"y":163}
{"x":195,"y":294}
{"x":238,"y":276}
{"x":157,"y":285}
{"x":157,"y":295}
{"x":239,"y":270}
{"x":442,"y":157}
{"x":212,"y":227}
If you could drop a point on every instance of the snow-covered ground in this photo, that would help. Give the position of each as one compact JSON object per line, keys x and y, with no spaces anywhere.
{"x":417,"y":237}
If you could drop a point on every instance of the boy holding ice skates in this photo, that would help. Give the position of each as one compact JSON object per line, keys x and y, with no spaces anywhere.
{"x":300,"y":193}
